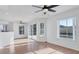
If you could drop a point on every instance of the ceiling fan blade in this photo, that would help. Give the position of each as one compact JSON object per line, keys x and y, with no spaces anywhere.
{"x":52,"y":6}
{"x":36,"y":6}
{"x":38,"y":11}
{"x":51,"y":10}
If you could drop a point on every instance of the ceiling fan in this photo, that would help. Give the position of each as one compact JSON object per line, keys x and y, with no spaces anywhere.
{"x":46,"y":8}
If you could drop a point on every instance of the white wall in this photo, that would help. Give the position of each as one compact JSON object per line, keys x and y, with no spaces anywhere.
{"x":5,"y":38}
{"x":10,"y":26}
{"x":52,"y":29}
{"x":3,"y":22}
{"x":37,"y":37}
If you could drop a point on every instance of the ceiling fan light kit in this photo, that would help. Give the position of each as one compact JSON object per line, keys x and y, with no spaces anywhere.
{"x":45,"y":11}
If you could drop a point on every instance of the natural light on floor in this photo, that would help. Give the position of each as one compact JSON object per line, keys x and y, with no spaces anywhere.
{"x":45,"y":51}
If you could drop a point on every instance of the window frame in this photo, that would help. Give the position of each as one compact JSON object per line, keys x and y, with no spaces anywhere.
{"x":34,"y":27}
{"x":74,"y":26}
{"x":42,"y":25}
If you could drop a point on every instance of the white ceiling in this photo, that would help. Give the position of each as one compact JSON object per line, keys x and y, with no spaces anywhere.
{"x":26,"y":12}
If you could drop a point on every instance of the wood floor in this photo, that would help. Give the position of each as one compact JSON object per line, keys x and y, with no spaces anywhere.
{"x":24,"y":46}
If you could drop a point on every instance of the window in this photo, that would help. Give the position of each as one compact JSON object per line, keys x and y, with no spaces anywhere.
{"x":34,"y":29}
{"x":66,"y":27}
{"x":41,"y":28}
{"x":31,"y":30}
{"x":3,"y":28}
{"x":21,"y":29}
